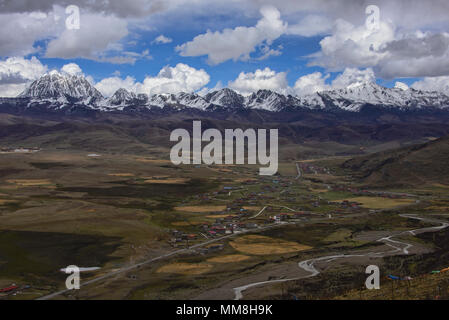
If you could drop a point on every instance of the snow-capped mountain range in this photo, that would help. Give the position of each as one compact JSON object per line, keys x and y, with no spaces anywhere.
{"x":61,"y":90}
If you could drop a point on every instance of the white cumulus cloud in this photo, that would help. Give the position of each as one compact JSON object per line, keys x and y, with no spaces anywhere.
{"x":20,"y":31}
{"x":17,"y":72}
{"x":162,"y":39}
{"x":352,"y":46}
{"x":97,"y":35}
{"x":247,"y":83}
{"x":176,"y":79}
{"x":236,"y":44}
{"x":311,"y":83}
{"x":72,"y":69}
{"x":311,"y":25}
{"x":353,"y":76}
{"x":440,"y":84}
{"x":317,"y":82}
{"x":181,"y":78}
{"x":109,"y":86}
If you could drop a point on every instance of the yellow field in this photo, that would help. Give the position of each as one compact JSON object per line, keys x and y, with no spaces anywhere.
{"x":30,"y":182}
{"x":166,"y":181}
{"x":380,"y":202}
{"x":155,"y":161}
{"x":222,"y":170}
{"x":121,"y":174}
{"x":252,"y":208}
{"x":3,"y":201}
{"x":201,"y":209}
{"x":218,"y":216}
{"x":261,"y":245}
{"x":319,"y":190}
{"x":229,"y":258}
{"x":185,"y":268}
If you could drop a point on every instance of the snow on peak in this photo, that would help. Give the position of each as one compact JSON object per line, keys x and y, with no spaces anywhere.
{"x":55,"y":85}
{"x":357,"y":85}
{"x":54,"y":73}
{"x":401,"y":86}
{"x":266,"y":100}
{"x":354,"y":97}
{"x":225,"y":98}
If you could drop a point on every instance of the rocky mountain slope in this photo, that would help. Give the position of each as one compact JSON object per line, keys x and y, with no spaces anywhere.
{"x":61,"y":91}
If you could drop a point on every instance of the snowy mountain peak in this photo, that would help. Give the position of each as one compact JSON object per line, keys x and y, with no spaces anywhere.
{"x":226,"y":98}
{"x":266,"y":100}
{"x":63,"y":87}
{"x":192,"y":100}
{"x":122,"y":97}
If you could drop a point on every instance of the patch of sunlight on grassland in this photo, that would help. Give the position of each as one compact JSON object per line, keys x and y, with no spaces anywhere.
{"x":201,"y":208}
{"x":261,"y":245}
{"x":229,"y":258}
{"x":380,"y":202}
{"x":185,"y":268}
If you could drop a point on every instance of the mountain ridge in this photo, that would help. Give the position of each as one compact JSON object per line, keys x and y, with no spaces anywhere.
{"x":61,"y":91}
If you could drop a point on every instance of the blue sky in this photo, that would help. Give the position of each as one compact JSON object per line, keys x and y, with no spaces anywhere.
{"x":293,"y":59}
{"x":313,"y":45}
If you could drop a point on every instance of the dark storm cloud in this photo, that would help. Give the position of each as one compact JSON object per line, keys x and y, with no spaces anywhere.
{"x":14,"y":78}
{"x":432,"y":45}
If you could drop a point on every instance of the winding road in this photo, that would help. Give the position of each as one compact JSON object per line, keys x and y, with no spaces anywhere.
{"x":399,"y":247}
{"x":165,"y":256}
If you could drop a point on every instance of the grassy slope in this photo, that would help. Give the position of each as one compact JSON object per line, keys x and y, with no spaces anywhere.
{"x":416,"y":165}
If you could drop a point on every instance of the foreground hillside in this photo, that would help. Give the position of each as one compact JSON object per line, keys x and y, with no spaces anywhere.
{"x":426,"y":287}
{"x":429,"y":275}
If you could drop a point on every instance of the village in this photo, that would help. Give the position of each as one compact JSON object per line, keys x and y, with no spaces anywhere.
{"x":20,"y":149}
{"x":277,"y":200}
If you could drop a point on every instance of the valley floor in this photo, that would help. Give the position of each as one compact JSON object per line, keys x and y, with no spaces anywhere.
{"x":153,"y":230}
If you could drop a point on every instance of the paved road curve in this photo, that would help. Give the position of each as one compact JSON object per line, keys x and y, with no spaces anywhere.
{"x":399,"y":247}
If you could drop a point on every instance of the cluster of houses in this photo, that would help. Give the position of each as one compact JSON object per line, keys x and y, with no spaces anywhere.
{"x":232,"y":224}
{"x":345,"y":204}
{"x":19,"y":150}
{"x":235,"y":218}
{"x":221,"y":227}
{"x":227,"y":225}
{"x":300,"y":215}
{"x":180,"y":237}
{"x":13,"y":289}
